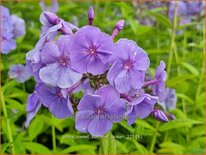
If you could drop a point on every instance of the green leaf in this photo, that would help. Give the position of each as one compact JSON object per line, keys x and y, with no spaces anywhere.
{"x":187,"y":98}
{"x":35,"y":127}
{"x":76,"y":148}
{"x":4,"y":146}
{"x":144,"y":124}
{"x":126,"y":126}
{"x":191,"y":68}
{"x":178,"y":123}
{"x":179,"y":79}
{"x":108,"y":144}
{"x":137,"y":28}
{"x":161,"y":18}
{"x":36,"y":148}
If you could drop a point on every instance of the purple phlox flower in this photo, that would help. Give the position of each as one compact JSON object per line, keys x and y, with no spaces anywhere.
{"x":90,"y":50}
{"x":19,"y":26}
{"x":140,"y":105}
{"x":159,"y":87}
{"x":56,"y":57}
{"x":33,"y":105}
{"x":19,"y":72}
{"x":170,"y":99}
{"x":50,"y":20}
{"x":6,"y":22}
{"x":97,"y":112}
{"x":160,"y":115}
{"x":181,"y":9}
{"x":185,"y":20}
{"x":194,"y":7}
{"x":130,"y":64}
{"x":33,"y":59}
{"x":56,"y":100}
{"x":53,"y":8}
{"x":7,"y":42}
{"x":91,"y":15}
{"x":118,"y":27}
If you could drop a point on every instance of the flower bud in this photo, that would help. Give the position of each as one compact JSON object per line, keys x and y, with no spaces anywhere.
{"x":91,"y":15}
{"x":118,"y":27}
{"x":49,"y":19}
{"x":160,"y":115}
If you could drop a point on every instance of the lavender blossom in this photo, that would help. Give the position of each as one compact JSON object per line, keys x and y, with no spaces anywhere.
{"x":90,"y":50}
{"x":57,"y":71}
{"x":56,"y":100}
{"x":7,"y":42}
{"x":170,"y":99}
{"x":33,"y":105}
{"x":19,"y":72}
{"x":97,"y":112}
{"x":53,"y":8}
{"x":140,"y":105}
{"x":19,"y":26}
{"x":159,"y":86}
{"x":128,"y":71}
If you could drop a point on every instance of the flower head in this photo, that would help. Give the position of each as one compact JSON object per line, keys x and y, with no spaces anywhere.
{"x":90,"y":50}
{"x":53,"y":8}
{"x":19,"y":26}
{"x":56,"y":57}
{"x":19,"y":72}
{"x":170,"y":99}
{"x":141,"y":106}
{"x":97,"y":112}
{"x":56,"y":100}
{"x":33,"y":105}
{"x":130,"y":64}
{"x":159,"y":87}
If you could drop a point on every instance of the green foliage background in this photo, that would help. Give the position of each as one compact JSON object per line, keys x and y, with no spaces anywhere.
{"x":186,"y":74}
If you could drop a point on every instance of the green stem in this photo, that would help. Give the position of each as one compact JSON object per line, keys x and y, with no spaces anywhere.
{"x":154,"y":138}
{"x":172,"y":39}
{"x":53,"y":135}
{"x":10,"y":138}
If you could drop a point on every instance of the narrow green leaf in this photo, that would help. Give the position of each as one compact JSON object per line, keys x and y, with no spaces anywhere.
{"x":191,"y":68}
{"x":35,"y":127}
{"x":144,"y":124}
{"x":161,"y":18}
{"x":178,"y":123}
{"x":108,"y":144}
{"x":36,"y":148}
{"x":76,"y":148}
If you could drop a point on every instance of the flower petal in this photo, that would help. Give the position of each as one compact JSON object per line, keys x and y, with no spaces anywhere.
{"x":83,"y":118}
{"x":89,"y":102}
{"x":99,"y":127}
{"x":122,"y":83}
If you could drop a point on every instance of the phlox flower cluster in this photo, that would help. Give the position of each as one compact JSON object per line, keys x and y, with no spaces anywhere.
{"x":111,"y":74}
{"x":12,"y":27}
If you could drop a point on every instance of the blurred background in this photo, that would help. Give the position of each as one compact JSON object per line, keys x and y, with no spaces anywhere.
{"x":177,"y":37}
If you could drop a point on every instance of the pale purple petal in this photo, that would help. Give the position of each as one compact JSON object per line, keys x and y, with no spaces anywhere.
{"x":89,"y":102}
{"x":83,"y":118}
{"x":99,"y":127}
{"x":122,"y":82}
